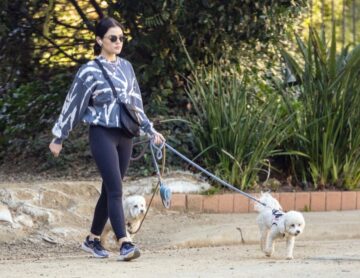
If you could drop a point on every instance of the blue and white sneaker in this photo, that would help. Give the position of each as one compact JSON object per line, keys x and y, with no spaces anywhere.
{"x":128,"y":251}
{"x":94,"y":247}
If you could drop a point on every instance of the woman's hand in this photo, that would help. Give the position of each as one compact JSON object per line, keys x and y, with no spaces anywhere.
{"x":55,"y":148}
{"x":158,"y":138}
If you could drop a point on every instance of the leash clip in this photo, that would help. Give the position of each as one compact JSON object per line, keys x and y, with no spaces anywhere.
{"x":165,"y":194}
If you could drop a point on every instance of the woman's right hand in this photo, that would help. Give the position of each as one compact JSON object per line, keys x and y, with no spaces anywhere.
{"x":55,"y":148}
{"x":158,"y":138}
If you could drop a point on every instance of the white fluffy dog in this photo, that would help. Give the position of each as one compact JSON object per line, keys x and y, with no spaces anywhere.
{"x":134,"y":211}
{"x":274,"y":224}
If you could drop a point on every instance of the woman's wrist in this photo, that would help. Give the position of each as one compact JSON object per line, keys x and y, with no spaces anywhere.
{"x":56,"y":140}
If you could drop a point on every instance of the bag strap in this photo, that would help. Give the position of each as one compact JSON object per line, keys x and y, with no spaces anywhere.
{"x":113,"y":88}
{"x":106,"y":77}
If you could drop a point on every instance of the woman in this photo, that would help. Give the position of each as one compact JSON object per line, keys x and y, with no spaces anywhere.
{"x":91,"y":99}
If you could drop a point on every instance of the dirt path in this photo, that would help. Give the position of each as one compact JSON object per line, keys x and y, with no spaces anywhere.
{"x":173,"y":244}
{"x":179,"y":245}
{"x":315,"y":259}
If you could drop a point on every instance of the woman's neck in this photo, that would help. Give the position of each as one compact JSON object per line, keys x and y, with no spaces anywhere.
{"x":109,"y":57}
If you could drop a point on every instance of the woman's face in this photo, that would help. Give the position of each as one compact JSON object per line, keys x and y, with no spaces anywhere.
{"x":112,"y":42}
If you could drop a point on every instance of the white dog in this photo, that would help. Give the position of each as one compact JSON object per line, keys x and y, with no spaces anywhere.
{"x":274,"y":223}
{"x":134,"y":211}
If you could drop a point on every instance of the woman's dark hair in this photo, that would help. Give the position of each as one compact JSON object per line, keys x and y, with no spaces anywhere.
{"x":102,"y":27}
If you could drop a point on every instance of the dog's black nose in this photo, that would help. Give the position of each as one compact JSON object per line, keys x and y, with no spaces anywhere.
{"x":297,"y":232}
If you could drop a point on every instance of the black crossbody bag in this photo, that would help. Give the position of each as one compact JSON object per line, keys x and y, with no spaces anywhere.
{"x":128,"y":117}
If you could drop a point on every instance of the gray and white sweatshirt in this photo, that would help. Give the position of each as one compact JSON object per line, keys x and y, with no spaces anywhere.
{"x":103,"y":109}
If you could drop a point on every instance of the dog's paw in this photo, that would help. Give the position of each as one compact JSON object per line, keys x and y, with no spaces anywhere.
{"x":268,"y":253}
{"x":289,"y":257}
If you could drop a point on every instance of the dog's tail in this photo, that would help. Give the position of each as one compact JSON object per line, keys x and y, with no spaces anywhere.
{"x":270,"y":202}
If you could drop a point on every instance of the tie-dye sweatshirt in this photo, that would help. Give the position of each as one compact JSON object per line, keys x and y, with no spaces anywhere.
{"x":91,"y":99}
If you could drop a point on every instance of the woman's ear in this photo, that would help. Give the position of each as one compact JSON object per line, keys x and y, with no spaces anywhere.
{"x":99,"y":41}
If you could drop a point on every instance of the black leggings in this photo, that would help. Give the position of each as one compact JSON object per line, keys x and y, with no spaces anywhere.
{"x":111,"y":150}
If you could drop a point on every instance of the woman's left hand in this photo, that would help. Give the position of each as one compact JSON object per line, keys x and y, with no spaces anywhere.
{"x":158,"y":138}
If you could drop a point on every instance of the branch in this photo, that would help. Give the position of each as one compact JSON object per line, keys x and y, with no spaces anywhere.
{"x":97,"y":8}
{"x":83,"y":16}
{"x":58,"y":47}
{"x":57,"y":21}
{"x":62,"y":45}
{"x":29,"y":21}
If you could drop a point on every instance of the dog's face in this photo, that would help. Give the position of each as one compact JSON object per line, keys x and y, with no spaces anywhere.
{"x":294,"y":223}
{"x":135,"y":206}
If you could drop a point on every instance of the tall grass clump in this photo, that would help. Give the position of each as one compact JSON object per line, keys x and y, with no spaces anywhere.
{"x":238,"y":125}
{"x":327,"y":112}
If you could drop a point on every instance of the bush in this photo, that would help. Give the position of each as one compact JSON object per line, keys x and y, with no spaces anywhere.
{"x":30,"y":110}
{"x":327,"y":112}
{"x":238,"y":124}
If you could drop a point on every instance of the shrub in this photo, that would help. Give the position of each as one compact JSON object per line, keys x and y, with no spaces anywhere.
{"x":236,"y":128}
{"x":327,"y":112}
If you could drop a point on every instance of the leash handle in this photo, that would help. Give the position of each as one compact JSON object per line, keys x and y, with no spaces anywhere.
{"x":158,"y":149}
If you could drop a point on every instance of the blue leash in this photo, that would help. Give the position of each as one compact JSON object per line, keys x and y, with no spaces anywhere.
{"x":165,"y":192}
{"x":213,"y":176}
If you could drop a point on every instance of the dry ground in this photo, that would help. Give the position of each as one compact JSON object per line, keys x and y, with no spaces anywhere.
{"x":173,"y":244}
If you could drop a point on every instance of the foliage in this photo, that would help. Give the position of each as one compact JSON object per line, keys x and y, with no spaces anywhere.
{"x":59,"y":35}
{"x":27,"y":114}
{"x":31,"y":107}
{"x":15,"y":61}
{"x":327,"y":107}
{"x":212,"y":31}
{"x":344,"y":14}
{"x":239,"y":124}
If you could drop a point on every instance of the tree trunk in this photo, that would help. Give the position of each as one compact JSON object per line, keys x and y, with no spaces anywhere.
{"x":354,"y":20}
{"x":343,"y":24}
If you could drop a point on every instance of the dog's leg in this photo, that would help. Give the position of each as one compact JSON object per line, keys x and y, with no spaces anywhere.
{"x":129,"y":236}
{"x":270,"y":243}
{"x":264,"y":235}
{"x":135,"y":225}
{"x":290,"y":247}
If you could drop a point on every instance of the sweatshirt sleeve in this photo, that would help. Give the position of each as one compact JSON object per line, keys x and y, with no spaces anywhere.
{"x":75,"y":104}
{"x":135,"y":94}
